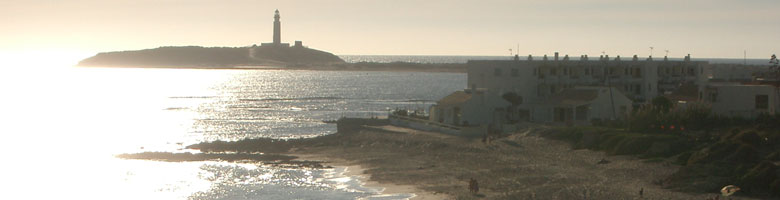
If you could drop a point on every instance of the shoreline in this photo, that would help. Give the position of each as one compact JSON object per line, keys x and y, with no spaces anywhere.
{"x":358,"y":171}
{"x":438,"y":166}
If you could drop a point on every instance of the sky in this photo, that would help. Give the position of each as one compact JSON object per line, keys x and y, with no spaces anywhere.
{"x":702,"y":28}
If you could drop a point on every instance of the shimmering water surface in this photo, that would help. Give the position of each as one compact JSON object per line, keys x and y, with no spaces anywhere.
{"x":69,"y":122}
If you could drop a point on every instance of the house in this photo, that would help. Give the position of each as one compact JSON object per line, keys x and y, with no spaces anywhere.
{"x":583,"y":104}
{"x":469,"y":107}
{"x":742,"y":100}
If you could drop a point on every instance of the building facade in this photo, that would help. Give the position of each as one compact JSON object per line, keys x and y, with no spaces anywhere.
{"x":742,"y":100}
{"x":560,"y":89}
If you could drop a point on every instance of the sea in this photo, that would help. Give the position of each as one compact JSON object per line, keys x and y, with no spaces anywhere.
{"x":63,"y":125}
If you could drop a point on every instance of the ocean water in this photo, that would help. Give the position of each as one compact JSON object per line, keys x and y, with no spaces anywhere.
{"x":63,"y":125}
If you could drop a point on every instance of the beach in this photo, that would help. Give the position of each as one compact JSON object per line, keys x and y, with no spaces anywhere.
{"x":439,"y":166}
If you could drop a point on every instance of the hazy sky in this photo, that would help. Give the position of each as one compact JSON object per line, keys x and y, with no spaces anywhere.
{"x":703,"y":28}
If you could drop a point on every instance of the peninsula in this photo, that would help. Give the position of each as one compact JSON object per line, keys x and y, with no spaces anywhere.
{"x":273,"y":55}
{"x":214,"y":57}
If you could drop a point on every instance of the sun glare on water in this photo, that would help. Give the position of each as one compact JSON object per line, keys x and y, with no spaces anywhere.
{"x":62,"y":125}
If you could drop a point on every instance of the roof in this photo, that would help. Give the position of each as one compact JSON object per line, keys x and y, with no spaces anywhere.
{"x":574,"y":96}
{"x":456,"y":98}
{"x":684,"y":92}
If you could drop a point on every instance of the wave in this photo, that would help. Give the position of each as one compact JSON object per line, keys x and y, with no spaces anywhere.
{"x":192,"y":97}
{"x":294,"y":99}
{"x":402,"y":101}
{"x":177,"y":108}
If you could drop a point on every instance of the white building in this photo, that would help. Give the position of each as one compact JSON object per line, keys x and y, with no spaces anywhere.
{"x":742,"y":100}
{"x":640,"y":80}
{"x":469,"y":107}
{"x":564,"y":90}
{"x":581,"y":105}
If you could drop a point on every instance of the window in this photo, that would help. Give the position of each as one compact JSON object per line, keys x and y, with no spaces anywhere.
{"x":553,"y":71}
{"x":762,"y":101}
{"x":536,"y":71}
{"x":587,"y":71}
{"x":497,"y":72}
{"x":713,"y":97}
{"x":565,"y":71}
{"x":691,"y":72}
{"x":515,"y":73}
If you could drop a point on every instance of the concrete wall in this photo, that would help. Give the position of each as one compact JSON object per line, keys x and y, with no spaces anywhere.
{"x":602,"y":106}
{"x":740,"y":100}
{"x":599,"y":108}
{"x":423,"y":125}
{"x":480,"y":109}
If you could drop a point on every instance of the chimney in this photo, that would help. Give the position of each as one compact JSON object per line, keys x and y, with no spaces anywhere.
{"x":566,"y":57}
{"x":530,"y":58}
{"x":545,"y":57}
{"x":635,"y":58}
{"x":650,"y":58}
{"x":556,"y":56}
{"x":617,"y":58}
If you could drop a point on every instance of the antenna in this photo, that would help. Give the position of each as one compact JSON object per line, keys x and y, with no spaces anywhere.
{"x":667,"y":52}
{"x":510,"y":52}
{"x":651,"y":51}
{"x":744,"y":61}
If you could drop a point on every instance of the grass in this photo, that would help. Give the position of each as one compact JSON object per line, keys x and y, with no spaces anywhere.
{"x":743,"y":156}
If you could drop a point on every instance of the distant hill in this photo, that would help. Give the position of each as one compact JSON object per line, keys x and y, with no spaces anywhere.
{"x":213,"y":57}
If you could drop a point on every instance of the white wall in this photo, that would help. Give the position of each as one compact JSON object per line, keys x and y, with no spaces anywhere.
{"x":739,"y":100}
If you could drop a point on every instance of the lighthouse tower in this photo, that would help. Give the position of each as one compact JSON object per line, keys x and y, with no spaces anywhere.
{"x":277,"y":33}
{"x":277,"y":29}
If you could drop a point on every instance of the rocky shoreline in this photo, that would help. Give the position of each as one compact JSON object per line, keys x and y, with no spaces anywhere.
{"x":517,"y":166}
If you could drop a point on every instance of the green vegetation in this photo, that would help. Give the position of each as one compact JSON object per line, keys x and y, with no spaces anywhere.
{"x":713,"y":150}
{"x":745,"y":154}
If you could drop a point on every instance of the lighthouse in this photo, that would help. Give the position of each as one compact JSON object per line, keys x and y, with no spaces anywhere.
{"x":277,"y":42}
{"x":277,"y":29}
